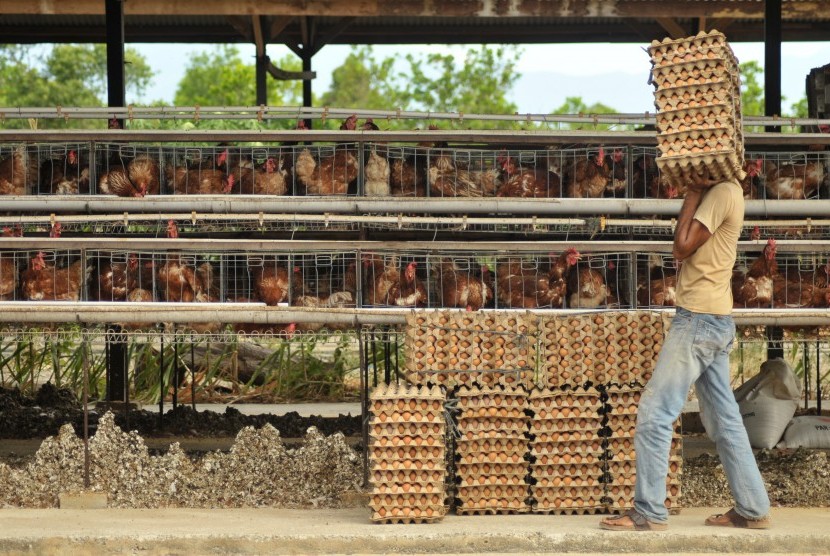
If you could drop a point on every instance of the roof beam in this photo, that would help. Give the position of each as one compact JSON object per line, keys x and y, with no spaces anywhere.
{"x":256,"y":25}
{"x":423,"y":8}
{"x":673,"y":28}
{"x":242,"y":26}
{"x":278,"y":25}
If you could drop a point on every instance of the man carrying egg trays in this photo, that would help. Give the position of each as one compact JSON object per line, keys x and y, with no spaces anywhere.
{"x":697,"y":95}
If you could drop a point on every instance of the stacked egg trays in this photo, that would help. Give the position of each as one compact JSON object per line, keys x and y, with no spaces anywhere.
{"x":697,"y":96}
{"x":451,"y":348}
{"x":407,"y":454}
{"x":593,"y":349}
{"x":619,"y":424}
{"x":566,"y":452}
{"x":490,"y":464}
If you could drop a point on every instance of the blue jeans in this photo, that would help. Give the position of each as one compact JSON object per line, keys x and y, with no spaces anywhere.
{"x":696,"y":350}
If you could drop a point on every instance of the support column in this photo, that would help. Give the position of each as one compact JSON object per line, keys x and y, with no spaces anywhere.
{"x":261,"y":79}
{"x":307,"y":99}
{"x":116,"y":88}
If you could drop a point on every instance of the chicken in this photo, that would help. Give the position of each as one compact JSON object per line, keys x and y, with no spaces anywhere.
{"x":407,"y":176}
{"x":177,"y":282}
{"x":460,"y":288}
{"x":185,"y":181}
{"x":41,"y":282}
{"x":793,"y":181}
{"x":659,"y":287}
{"x":382,"y":279}
{"x":751,"y":182}
{"x":137,"y":295}
{"x":116,"y":280}
{"x":333,"y":174}
{"x":517,"y":286}
{"x":8,"y":268}
{"x":586,"y":288}
{"x":17,"y":172}
{"x":139,"y":178}
{"x":377,"y":174}
{"x":270,"y":283}
{"x":446,"y":179}
{"x":615,"y":165}
{"x":595,"y":176}
{"x":518,"y":181}
{"x":552,"y":289}
{"x":269,"y":179}
{"x":412,"y":292}
{"x":754,"y":287}
{"x":64,"y":175}
{"x":645,"y":178}
{"x":285,"y":331}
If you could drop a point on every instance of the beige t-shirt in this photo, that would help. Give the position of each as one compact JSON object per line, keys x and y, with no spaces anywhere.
{"x":705,"y":281}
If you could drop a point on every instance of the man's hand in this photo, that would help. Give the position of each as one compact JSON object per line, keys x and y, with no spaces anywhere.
{"x":700,"y":182}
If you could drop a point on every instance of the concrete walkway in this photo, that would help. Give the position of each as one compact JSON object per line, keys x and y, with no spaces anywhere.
{"x":280,"y":531}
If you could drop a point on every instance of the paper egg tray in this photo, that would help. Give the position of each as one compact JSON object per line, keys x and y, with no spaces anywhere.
{"x":696,"y":45}
{"x":491,"y":466}
{"x":407,"y":454}
{"x":454,"y":348}
{"x":723,"y":166}
{"x":701,"y":73}
{"x":569,"y":350}
{"x":569,"y":499}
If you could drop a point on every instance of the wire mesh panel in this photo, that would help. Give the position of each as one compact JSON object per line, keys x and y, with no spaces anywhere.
{"x":656,"y":280}
{"x":788,"y":175}
{"x":326,"y":169}
{"x":18,"y":169}
{"x":129,"y":170}
{"x":462,"y":172}
{"x":246,"y":170}
{"x":50,"y":275}
{"x":530,"y":173}
{"x":595,"y":171}
{"x":646,"y":179}
{"x":407,"y":171}
{"x":63,"y":168}
{"x":122,"y":276}
{"x":398,"y":279}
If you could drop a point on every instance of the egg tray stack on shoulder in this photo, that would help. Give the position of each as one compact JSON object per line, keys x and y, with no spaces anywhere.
{"x":566,"y":451}
{"x":407,"y":454}
{"x":491,"y":469}
{"x":451,"y":348}
{"x":698,"y":100}
{"x":593,"y":349}
{"x":620,"y":406}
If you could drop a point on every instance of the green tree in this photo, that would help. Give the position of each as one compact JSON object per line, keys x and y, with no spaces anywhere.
{"x":67,"y":75}
{"x":362,"y":81}
{"x":221,"y":78}
{"x":752,"y":92}
{"x":575,"y":105}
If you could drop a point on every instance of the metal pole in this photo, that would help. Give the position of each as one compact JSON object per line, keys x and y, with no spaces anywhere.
{"x":262,"y":78}
{"x":818,"y":378}
{"x":364,"y":404}
{"x":772,"y":59}
{"x":85,"y":363}
{"x":307,"y":94}
{"x":193,"y":373}
{"x":175,"y":370}
{"x":116,"y":89}
{"x":161,"y":384}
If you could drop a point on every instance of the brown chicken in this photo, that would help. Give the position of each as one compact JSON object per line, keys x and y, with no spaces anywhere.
{"x":42,"y":282}
{"x":518,"y":181}
{"x":516,"y":286}
{"x":412,"y":292}
{"x":408,"y":172}
{"x":185,"y":181}
{"x":461,"y":288}
{"x":334,"y":174}
{"x":793,"y":181}
{"x":659,"y":287}
{"x":340,"y":299}
{"x":269,"y":179}
{"x":645,"y":178}
{"x":551,"y":290}
{"x":18,"y":171}
{"x":382,"y":279}
{"x":754,"y":287}
{"x":586,"y":288}
{"x":8,"y":268}
{"x":64,"y":175}
{"x":595,"y":176}
{"x":750,"y":183}
{"x":177,"y":282}
{"x":139,"y":178}
{"x":376,"y":170}
{"x":116,"y":280}
{"x":446,"y":179}
{"x":272,"y":284}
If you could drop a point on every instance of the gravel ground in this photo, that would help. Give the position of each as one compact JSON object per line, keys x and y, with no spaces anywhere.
{"x":135,"y":476}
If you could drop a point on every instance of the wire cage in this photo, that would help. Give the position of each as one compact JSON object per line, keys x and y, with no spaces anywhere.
{"x":122,"y":276}
{"x":656,"y":279}
{"x":407,"y":170}
{"x":397,"y":279}
{"x":62,"y":168}
{"x":787,"y":175}
{"x":247,"y":170}
{"x":48,"y":275}
{"x":18,"y":169}
{"x":801,"y":281}
{"x":129,"y":170}
{"x":321,"y":170}
{"x":594,"y":171}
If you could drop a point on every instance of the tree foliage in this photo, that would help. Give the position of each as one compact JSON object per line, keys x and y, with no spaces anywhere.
{"x":575,"y":105}
{"x":67,"y":75}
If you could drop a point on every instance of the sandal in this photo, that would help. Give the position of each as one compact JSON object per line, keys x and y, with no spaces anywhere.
{"x":632,"y":520}
{"x":734,"y":519}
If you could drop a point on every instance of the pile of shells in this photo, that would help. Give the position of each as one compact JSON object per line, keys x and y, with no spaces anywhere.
{"x":451,"y":348}
{"x":258,"y":471}
{"x":697,"y":95}
{"x":599,"y":348}
{"x":407,"y":450}
{"x":566,"y":451}
{"x":491,"y":469}
{"x":618,"y":441}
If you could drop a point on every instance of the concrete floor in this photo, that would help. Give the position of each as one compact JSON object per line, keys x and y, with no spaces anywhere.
{"x":280,"y":531}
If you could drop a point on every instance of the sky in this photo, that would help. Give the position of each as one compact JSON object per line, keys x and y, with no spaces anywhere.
{"x":613,"y":74}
